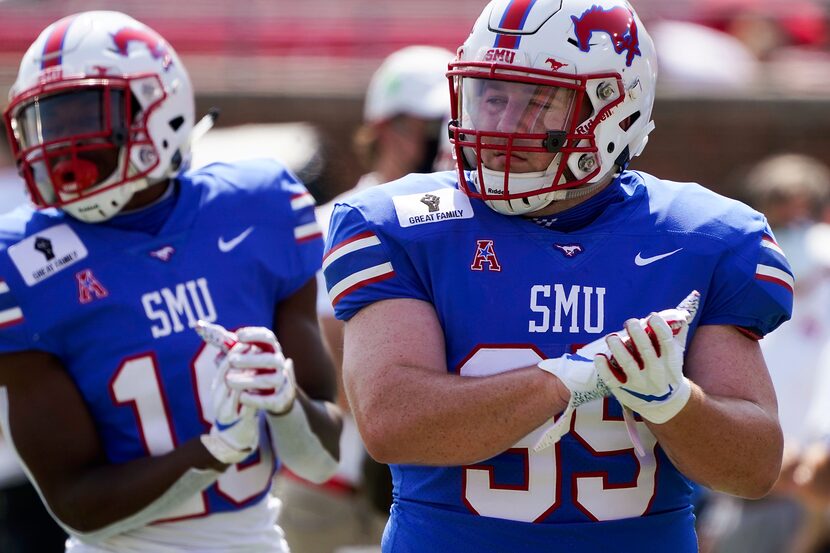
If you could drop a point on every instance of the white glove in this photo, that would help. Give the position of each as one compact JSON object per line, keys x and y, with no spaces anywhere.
{"x":260,"y":373}
{"x":578,"y":373}
{"x":235,"y":431}
{"x":254,"y":366}
{"x":645,"y":369}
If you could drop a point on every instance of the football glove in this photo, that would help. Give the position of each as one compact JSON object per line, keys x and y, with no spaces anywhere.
{"x":234,"y":434}
{"x":254,"y":367}
{"x":645,"y":367}
{"x":578,"y":373}
{"x":259,"y":371}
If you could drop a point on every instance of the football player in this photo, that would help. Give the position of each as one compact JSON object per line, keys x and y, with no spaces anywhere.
{"x":470,"y":296}
{"x":138,"y":435}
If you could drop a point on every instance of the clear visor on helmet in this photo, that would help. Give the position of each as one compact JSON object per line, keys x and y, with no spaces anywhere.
{"x":70,"y":142}
{"x":511,"y":126}
{"x":514,"y":107}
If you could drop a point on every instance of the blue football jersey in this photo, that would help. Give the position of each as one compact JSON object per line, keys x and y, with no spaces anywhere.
{"x":509,"y":293}
{"x":118,"y":306}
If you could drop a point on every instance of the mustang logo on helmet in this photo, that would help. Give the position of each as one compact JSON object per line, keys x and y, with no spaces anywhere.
{"x":155,"y":44}
{"x":618,"y":22}
{"x":555,"y":65}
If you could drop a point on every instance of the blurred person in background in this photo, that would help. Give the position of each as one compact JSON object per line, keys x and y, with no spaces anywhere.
{"x":809,"y":475}
{"x":137,"y":435}
{"x":789,"y":39}
{"x":808,"y":479}
{"x":793,"y":192}
{"x":768,"y":26}
{"x":741,"y":46}
{"x":404,"y":119}
{"x":721,"y":63}
{"x":470,"y":297}
{"x":405,"y":104}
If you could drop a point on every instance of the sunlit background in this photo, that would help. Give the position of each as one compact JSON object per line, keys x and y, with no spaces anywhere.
{"x":740,"y":79}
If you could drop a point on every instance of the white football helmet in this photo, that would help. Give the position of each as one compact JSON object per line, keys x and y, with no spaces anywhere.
{"x":102,"y":107}
{"x":549,"y":99}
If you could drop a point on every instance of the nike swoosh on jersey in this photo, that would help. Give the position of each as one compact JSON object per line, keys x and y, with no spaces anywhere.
{"x":649,"y":398}
{"x":222,"y":427}
{"x":641,"y":261}
{"x":225,"y":247}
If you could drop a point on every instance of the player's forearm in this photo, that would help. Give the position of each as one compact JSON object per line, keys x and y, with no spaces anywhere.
{"x":325,"y":420}
{"x":730,"y":445}
{"x":419,"y":417}
{"x":106,"y":494}
{"x":307,"y":438}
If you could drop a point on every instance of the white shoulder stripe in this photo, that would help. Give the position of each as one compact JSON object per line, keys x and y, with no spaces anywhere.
{"x":355,"y":279}
{"x":3,"y":287}
{"x":302,"y":201}
{"x":305,"y":231}
{"x":351,"y":247}
{"x":8,"y":315}
{"x":773,"y":246}
{"x":776,"y":273}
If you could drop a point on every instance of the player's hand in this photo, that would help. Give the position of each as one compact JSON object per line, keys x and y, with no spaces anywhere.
{"x":254,"y":366}
{"x":257,"y":369}
{"x":235,"y":431}
{"x":645,"y":368}
{"x":578,"y":373}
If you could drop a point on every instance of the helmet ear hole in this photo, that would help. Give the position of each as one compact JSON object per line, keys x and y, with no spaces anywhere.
{"x":176,"y":161}
{"x":626,"y":123}
{"x":176,"y":122}
{"x":135,"y":107}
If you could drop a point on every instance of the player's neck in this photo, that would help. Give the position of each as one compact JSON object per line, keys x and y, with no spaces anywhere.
{"x":147,"y":197}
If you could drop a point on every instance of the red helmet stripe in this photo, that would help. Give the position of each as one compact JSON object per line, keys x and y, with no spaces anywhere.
{"x":54,"y":43}
{"x":513,"y":19}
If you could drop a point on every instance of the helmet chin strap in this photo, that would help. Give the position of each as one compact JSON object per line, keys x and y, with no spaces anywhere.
{"x":549,"y":197}
{"x":581,"y":192}
{"x":572,"y":193}
{"x":620,"y":165}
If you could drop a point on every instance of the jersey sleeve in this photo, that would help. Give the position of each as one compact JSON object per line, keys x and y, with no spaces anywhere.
{"x":306,"y":238}
{"x":16,"y":332}
{"x":363,"y":264}
{"x":752,"y":287}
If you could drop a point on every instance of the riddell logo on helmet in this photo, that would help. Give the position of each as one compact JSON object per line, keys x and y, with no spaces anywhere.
{"x":588,"y":126}
{"x":500,"y":55}
{"x":155,"y":44}
{"x":618,"y":23}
